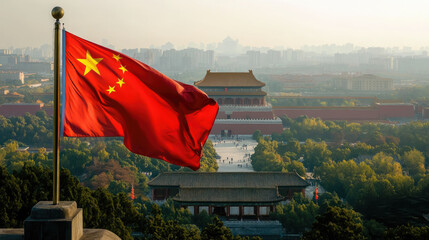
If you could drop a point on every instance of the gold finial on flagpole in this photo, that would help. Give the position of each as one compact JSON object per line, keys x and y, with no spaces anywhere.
{"x":57,"y":13}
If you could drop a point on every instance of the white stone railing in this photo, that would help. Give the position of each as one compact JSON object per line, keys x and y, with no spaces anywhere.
{"x":248,"y":121}
{"x":244,"y":108}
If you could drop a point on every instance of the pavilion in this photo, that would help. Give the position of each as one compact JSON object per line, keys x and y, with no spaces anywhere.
{"x":242,"y":105}
{"x":234,"y":195}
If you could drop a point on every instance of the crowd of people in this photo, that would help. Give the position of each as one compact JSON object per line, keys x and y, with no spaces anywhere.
{"x":238,"y":143}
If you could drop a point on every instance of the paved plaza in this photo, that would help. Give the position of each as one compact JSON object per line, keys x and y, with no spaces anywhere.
{"x":235,"y":157}
{"x":234,"y":154}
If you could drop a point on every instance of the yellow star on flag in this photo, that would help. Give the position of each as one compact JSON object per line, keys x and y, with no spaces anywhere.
{"x":117,"y":57}
{"x":90,"y":63}
{"x":111,"y":89}
{"x":123,"y":69}
{"x":120,"y":82}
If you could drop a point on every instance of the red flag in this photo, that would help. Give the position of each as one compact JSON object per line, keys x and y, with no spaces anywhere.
{"x":108,"y":94}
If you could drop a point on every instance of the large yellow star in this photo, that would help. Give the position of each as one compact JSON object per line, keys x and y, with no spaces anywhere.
{"x":111,"y":89}
{"x":117,"y":57}
{"x":123,"y":69}
{"x":120,"y":82}
{"x":90,"y":63}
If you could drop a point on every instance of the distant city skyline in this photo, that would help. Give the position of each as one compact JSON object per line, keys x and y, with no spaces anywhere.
{"x":271,"y":23}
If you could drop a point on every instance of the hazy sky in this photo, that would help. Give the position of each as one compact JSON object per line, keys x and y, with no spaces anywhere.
{"x":141,"y":23}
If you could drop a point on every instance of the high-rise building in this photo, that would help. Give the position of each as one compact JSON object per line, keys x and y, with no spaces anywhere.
{"x":366,"y":82}
{"x":11,"y":77}
{"x":254,"y":58}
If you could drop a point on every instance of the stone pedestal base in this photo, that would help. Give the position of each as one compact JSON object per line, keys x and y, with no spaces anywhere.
{"x":88,"y":234}
{"x":54,"y":222}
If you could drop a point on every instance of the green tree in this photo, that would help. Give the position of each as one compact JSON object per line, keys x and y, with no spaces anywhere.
{"x":342,"y":176}
{"x":10,"y":200}
{"x":360,"y":149}
{"x":72,"y":190}
{"x":119,"y":186}
{"x":117,"y":149}
{"x":373,"y":229}
{"x":286,"y":121}
{"x":202,"y":219}
{"x":208,"y":160}
{"x":296,"y":166}
{"x":328,"y":199}
{"x":75,"y":160}
{"x":2,"y":157}
{"x":6,"y":129}
{"x":257,"y":135}
{"x":216,"y":231}
{"x":266,"y":158}
{"x":172,"y":211}
{"x":111,"y":220}
{"x":384,"y":164}
{"x":292,"y":146}
{"x":155,"y":227}
{"x":405,"y":232}
{"x":36,"y":185}
{"x":414,"y":163}
{"x":296,"y":215}
{"x":336,"y":223}
{"x":340,"y":154}
{"x":335,"y":132}
{"x":315,"y":154}
{"x":305,"y":128}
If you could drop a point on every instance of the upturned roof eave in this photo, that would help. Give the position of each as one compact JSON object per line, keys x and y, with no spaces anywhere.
{"x":210,"y":81}
{"x":154,"y":182}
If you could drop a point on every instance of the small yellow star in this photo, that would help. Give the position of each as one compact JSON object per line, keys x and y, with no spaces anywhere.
{"x":123,"y":69}
{"x":111,"y":89}
{"x":90,"y":63}
{"x":120,"y":82}
{"x":117,"y":57}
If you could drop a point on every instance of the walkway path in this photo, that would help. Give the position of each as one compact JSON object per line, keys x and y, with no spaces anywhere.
{"x":235,"y":154}
{"x":235,"y":157}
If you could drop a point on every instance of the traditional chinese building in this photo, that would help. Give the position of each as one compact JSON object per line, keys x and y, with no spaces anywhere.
{"x":228,"y":194}
{"x":242,"y":105}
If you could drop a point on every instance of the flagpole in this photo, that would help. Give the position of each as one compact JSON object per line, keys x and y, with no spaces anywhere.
{"x":57,"y":13}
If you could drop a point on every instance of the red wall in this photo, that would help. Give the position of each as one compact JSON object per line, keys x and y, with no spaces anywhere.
{"x":330,"y":114}
{"x":247,"y":129}
{"x":378,"y":112}
{"x":396,"y":111}
{"x":426,"y":112}
{"x":246,"y":115}
{"x":18,"y":109}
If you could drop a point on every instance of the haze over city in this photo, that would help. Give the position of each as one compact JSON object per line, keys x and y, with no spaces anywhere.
{"x":214,"y":119}
{"x":273,"y":23}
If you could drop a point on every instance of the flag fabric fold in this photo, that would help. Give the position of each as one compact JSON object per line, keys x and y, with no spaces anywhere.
{"x":108,"y":94}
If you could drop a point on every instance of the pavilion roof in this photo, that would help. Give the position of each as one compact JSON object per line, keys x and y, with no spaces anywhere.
{"x":228,"y":180}
{"x":229,"y":79}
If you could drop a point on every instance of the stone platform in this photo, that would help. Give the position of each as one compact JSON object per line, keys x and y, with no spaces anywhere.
{"x":55,"y":222}
{"x":88,"y":234}
{"x":48,"y":221}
